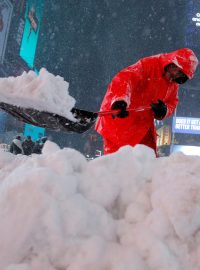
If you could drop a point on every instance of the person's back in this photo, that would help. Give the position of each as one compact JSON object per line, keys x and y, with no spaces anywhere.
{"x":28,"y":145}
{"x":16,"y":146}
{"x":37,"y":148}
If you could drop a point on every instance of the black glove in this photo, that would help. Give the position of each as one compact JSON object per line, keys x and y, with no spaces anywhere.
{"x":120,"y":105}
{"x":159,"y":109}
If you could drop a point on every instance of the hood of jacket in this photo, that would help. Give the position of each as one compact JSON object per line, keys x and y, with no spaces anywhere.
{"x":184,"y":58}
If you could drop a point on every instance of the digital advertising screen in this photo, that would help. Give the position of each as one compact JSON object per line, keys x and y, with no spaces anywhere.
{"x":33,"y":131}
{"x":33,"y":16}
{"x":187,"y":125}
{"x":192,"y":36}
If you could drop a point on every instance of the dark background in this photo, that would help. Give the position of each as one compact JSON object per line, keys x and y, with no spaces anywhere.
{"x":88,"y":41}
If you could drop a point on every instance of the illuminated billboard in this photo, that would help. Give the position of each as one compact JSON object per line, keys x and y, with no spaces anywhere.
{"x":192,"y":36}
{"x":35,"y":132}
{"x":196,"y":19}
{"x":187,"y":150}
{"x":33,"y":15}
{"x":6,"y":10}
{"x":187,"y":125}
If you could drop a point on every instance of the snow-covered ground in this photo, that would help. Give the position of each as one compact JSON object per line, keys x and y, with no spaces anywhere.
{"x":125,"y":211}
{"x":44,"y":92}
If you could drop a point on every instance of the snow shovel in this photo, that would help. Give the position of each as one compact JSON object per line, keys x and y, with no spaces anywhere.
{"x":85,"y":119}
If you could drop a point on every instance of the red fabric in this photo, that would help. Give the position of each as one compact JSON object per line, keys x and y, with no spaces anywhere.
{"x":148,"y":140}
{"x":140,"y":85}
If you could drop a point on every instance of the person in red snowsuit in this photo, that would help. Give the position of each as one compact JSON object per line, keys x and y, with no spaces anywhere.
{"x":152,"y":82}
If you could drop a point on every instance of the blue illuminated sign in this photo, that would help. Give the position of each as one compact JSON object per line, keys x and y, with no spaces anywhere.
{"x":33,"y":17}
{"x":186,"y":125}
{"x":35,"y":132}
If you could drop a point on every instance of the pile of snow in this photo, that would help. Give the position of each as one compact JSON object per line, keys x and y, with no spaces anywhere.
{"x":125,"y":211}
{"x":44,"y":92}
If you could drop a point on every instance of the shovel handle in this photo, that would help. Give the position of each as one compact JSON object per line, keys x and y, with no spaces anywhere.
{"x":115,"y":112}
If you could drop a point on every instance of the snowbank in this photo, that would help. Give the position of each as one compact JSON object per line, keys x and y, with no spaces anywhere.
{"x":44,"y":92}
{"x":125,"y":211}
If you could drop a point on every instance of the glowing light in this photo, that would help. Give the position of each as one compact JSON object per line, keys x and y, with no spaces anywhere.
{"x":196,"y":19}
{"x":187,"y":150}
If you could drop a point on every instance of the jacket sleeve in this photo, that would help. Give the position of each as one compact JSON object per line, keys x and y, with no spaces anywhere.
{"x":172,"y":102}
{"x":124,"y":83}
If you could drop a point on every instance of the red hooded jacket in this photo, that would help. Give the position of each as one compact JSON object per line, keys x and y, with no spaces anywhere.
{"x":139,"y":85}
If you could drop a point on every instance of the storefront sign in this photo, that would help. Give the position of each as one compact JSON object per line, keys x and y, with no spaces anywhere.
{"x":186,"y":125}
